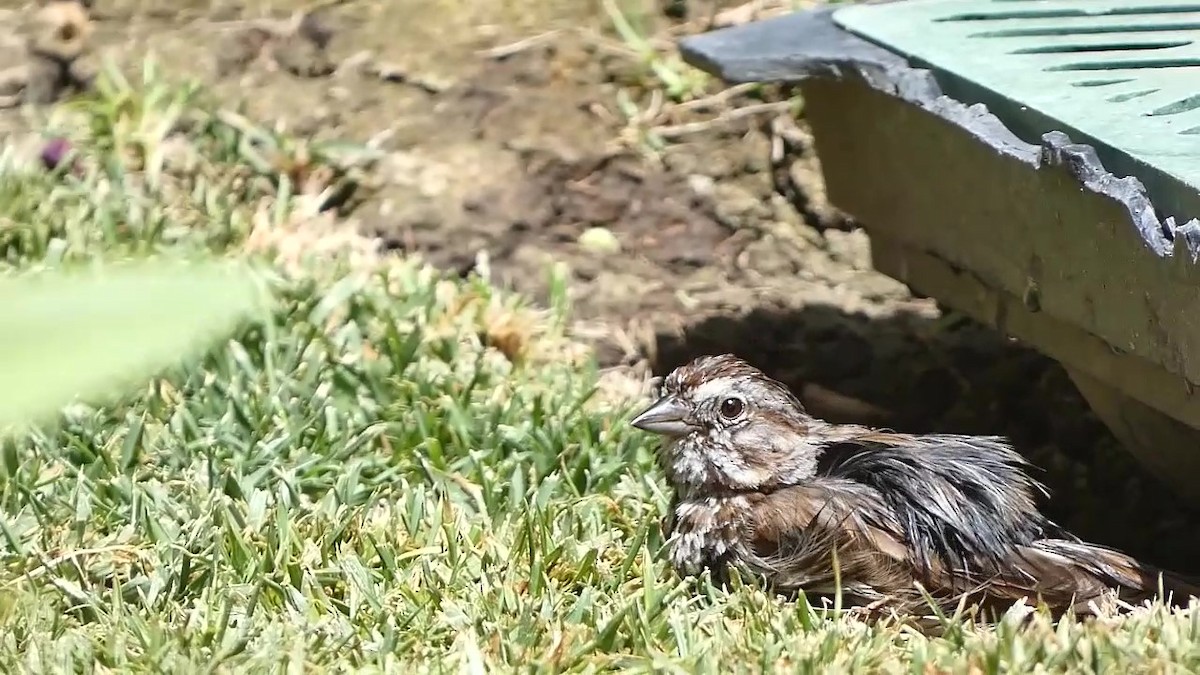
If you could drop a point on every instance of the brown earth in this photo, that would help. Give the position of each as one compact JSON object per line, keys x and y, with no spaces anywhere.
{"x":506,"y":138}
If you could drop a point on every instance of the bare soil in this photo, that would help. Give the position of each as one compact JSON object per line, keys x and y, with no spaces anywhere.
{"x":721,"y":242}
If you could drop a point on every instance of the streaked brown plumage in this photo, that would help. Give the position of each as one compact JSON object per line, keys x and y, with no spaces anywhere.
{"x":765,"y":487}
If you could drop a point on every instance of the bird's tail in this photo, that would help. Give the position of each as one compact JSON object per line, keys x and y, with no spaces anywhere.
{"x":1099,"y":567}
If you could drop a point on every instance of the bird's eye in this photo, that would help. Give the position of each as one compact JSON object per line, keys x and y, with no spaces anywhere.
{"x":731,"y":408}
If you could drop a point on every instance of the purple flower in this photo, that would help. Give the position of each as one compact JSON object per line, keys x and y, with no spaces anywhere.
{"x":54,"y":152}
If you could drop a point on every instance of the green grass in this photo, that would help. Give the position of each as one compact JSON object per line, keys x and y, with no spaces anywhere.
{"x":395,"y":472}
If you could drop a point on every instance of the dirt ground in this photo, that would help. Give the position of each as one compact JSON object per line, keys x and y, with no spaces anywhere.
{"x":506,"y":137}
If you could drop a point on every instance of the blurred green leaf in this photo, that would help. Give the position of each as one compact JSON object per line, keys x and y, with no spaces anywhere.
{"x":89,"y":334}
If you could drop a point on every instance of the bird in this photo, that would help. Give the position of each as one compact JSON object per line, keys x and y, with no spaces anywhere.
{"x":889,"y":522}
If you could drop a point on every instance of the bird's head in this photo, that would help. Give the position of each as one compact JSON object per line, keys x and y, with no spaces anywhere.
{"x":727,"y":427}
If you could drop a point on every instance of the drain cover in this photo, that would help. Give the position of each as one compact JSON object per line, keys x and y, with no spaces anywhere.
{"x":1121,"y":75}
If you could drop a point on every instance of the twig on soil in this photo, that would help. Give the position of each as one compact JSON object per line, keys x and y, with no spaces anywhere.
{"x":677,"y":130}
{"x":750,"y":11}
{"x":626,"y":48}
{"x":71,"y":556}
{"x":720,"y":98}
{"x":754,"y":10}
{"x":506,"y":50}
{"x":842,"y":408}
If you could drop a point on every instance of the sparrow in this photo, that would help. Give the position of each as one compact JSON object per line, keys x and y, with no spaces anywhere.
{"x":892,"y":521}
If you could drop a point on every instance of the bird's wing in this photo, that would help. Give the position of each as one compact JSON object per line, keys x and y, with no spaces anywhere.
{"x":966,"y":507}
{"x":798,"y":531}
{"x":961,"y":501}
{"x":954,"y":514}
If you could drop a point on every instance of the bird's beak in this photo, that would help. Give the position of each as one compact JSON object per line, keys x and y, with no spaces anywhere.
{"x":667,"y":416}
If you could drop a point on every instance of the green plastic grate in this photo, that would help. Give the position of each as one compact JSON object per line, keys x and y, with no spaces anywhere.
{"x":1123,"y":75}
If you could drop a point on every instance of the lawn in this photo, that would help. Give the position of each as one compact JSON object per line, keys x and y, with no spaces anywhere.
{"x":395,"y":471}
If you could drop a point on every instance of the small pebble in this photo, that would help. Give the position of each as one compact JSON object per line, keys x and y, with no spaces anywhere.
{"x":599,"y":240}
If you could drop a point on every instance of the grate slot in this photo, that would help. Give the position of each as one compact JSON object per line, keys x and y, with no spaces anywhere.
{"x":1095,"y":24}
{"x":1070,"y":12}
{"x":1093,"y":29}
{"x":1077,"y":47}
{"x":1133,"y":64}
